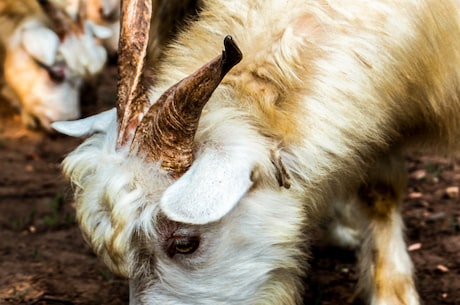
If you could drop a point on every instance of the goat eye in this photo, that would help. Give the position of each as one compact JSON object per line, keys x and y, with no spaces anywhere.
{"x":183,"y":245}
{"x":56,"y":74}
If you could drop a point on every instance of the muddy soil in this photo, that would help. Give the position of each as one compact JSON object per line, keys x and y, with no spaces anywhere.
{"x":43,"y":259}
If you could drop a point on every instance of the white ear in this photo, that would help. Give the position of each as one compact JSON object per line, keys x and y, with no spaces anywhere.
{"x":211,"y":188}
{"x":41,"y":43}
{"x":87,"y":126}
{"x":82,"y":54}
{"x":99,"y":31}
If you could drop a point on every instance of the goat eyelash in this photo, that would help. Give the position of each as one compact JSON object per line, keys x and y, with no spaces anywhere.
{"x":182,"y":245}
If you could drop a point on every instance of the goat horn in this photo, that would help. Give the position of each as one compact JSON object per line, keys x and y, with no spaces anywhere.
{"x":132,"y":100}
{"x":167,"y":131}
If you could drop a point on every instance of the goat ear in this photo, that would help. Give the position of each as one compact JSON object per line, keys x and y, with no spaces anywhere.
{"x":99,"y":31}
{"x":41,"y":43}
{"x":211,"y":188}
{"x":98,"y":123}
{"x":82,"y":55}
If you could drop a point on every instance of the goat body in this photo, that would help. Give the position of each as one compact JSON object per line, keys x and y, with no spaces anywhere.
{"x":312,"y":123}
{"x":43,"y":69}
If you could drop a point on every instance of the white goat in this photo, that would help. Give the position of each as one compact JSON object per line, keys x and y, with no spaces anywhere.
{"x":45,"y":55}
{"x":216,"y":206}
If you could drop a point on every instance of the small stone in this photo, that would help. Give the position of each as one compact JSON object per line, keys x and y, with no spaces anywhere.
{"x":452,"y":191}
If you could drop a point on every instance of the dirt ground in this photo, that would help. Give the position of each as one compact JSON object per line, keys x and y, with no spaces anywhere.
{"x":43,"y":259}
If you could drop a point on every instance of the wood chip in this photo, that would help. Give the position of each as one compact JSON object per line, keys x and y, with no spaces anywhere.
{"x":418,"y":174}
{"x":415,"y":195}
{"x":442,"y":268}
{"x":414,"y":247}
{"x":424,"y":203}
{"x":452,"y":191}
{"x":436,"y":216}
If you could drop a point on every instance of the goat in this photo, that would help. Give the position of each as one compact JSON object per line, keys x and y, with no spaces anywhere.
{"x":45,"y":56}
{"x":206,"y":190}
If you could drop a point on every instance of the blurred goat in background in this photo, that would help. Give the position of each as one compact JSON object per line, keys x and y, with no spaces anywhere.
{"x":45,"y":55}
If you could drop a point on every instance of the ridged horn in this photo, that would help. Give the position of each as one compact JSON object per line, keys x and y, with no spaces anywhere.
{"x":132,"y":100}
{"x":167,"y":131}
